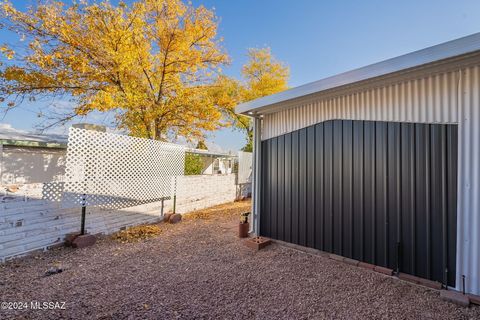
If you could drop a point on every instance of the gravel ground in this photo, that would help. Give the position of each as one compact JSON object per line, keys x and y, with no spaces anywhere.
{"x":198,"y":269}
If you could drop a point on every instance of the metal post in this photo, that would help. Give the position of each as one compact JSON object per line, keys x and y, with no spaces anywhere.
{"x":444,"y":210}
{"x":1,"y":162}
{"x":84,"y":213}
{"x":174,"y":203}
{"x":175,"y":195}
{"x":399,"y":207}
{"x":257,"y":123}
{"x":445,"y":278}
{"x":399,"y":254}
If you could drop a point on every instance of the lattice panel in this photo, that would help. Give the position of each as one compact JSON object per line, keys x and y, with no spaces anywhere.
{"x":116,"y":171}
{"x":52,"y":191}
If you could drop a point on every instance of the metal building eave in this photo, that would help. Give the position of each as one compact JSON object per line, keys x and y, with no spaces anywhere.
{"x":432,"y":55}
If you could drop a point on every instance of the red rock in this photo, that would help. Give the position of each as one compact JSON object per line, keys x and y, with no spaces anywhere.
{"x":430,"y":283}
{"x":258,"y":243}
{"x":352,"y":262}
{"x":366,"y":265}
{"x":474,"y":299}
{"x":70,"y":237}
{"x":408,"y":277}
{"x":175,"y":218}
{"x":166,"y":216}
{"x":383,"y":270}
{"x":336,"y":257}
{"x":455,"y":297}
{"x":83,"y":241}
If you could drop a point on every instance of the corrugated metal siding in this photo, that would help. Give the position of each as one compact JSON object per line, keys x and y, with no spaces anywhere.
{"x":379,"y":192}
{"x":431,"y":99}
{"x":468,"y":230}
{"x":452,"y":97}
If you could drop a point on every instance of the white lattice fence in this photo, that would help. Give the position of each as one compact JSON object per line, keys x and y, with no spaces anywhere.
{"x":116,"y":171}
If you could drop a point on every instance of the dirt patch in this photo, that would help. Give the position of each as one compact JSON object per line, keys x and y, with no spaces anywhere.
{"x":199,"y":269}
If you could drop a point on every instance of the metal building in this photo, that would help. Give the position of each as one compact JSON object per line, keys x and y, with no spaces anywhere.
{"x":380,"y":164}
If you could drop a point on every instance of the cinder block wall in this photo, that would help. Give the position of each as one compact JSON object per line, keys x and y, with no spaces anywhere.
{"x":198,"y":192}
{"x":28,"y":223}
{"x":20,"y":165}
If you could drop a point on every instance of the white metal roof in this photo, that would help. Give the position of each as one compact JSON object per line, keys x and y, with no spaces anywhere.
{"x":447,"y":50}
{"x":11,"y":136}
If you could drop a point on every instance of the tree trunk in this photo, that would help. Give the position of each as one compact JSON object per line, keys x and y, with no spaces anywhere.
{"x":158,"y":132}
{"x":151,"y":130}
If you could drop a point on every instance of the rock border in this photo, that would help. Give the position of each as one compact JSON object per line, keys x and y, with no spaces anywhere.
{"x":448,"y":295}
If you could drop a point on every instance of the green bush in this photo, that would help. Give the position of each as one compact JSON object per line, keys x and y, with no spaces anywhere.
{"x":193,"y":164}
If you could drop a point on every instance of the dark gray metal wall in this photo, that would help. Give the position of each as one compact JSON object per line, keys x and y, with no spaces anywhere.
{"x":379,"y":192}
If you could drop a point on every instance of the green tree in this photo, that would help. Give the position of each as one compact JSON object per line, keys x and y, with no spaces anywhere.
{"x":193,"y":164}
{"x":249,"y":145}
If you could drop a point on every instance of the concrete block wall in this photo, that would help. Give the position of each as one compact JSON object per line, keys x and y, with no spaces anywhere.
{"x":21,"y":165}
{"x":203,"y":191}
{"x":28,"y":223}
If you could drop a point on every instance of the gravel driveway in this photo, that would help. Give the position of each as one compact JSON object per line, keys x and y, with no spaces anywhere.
{"x":198,"y":269}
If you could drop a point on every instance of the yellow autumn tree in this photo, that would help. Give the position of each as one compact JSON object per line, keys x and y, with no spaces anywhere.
{"x":152,"y":61}
{"x":262,"y":75}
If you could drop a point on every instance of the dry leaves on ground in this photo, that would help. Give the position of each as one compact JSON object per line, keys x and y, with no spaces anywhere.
{"x":223,"y":210}
{"x":138,"y":233}
{"x":143,"y":232}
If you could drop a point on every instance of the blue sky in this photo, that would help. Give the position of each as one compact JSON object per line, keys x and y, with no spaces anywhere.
{"x":317,"y":39}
